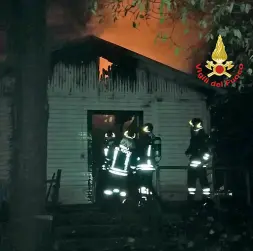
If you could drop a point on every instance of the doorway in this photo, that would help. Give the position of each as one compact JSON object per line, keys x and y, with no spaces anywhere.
{"x":99,"y":122}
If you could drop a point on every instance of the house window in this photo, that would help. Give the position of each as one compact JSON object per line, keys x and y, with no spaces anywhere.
{"x":104,"y":68}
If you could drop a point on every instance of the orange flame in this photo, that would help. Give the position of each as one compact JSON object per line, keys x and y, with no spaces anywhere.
{"x":104,"y":65}
{"x":141,"y":39}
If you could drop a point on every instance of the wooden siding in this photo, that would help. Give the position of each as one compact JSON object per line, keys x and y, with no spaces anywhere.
{"x":74,"y":90}
{"x":175,"y":133}
{"x":83,"y":80}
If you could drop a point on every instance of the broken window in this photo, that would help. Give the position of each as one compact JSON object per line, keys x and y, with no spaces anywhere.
{"x":104,"y":68}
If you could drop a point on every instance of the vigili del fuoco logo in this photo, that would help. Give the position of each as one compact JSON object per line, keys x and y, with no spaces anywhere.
{"x":219,"y":66}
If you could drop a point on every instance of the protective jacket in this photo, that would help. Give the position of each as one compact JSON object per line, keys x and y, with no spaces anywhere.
{"x":199,"y":144}
{"x":149,"y":148}
{"x":122,"y":156}
{"x":109,"y":144}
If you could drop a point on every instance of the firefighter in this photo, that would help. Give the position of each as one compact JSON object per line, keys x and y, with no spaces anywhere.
{"x":149,"y":155}
{"x":117,"y":181}
{"x":108,"y":149}
{"x":199,"y":156}
{"x":122,"y":154}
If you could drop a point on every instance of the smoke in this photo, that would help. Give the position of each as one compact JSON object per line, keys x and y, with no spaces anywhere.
{"x":113,"y":24}
{"x":127,"y":29}
{"x":70,"y":19}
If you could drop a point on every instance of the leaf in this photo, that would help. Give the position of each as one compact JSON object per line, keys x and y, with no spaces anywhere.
{"x":203,"y":24}
{"x":208,"y":37}
{"x":141,"y":16}
{"x":162,"y":19}
{"x":186,"y":31}
{"x":193,"y":2}
{"x":134,"y":2}
{"x":95,"y":5}
{"x":200,"y":35}
{"x":250,"y":71}
{"x":184,"y":15}
{"x":164,"y":37}
{"x":176,"y":51}
{"x":134,"y":24}
{"x":237,"y":33}
{"x":242,"y":7}
{"x":202,"y":4}
{"x":167,"y":3}
{"x":222,"y":32}
{"x":161,"y":12}
{"x":156,"y":39}
{"x":141,"y":7}
{"x":247,"y":8}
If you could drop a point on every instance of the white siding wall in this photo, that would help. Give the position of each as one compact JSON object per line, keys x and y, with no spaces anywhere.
{"x":67,"y":140}
{"x":73,"y":91}
{"x":175,"y":133}
{"x":65,"y":146}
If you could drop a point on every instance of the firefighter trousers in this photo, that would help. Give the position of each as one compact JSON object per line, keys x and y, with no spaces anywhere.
{"x":193,"y":175}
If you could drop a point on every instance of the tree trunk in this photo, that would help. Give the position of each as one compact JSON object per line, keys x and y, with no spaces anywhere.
{"x":28,"y":186}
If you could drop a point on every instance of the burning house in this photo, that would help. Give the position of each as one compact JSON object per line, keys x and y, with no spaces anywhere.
{"x":96,"y":86}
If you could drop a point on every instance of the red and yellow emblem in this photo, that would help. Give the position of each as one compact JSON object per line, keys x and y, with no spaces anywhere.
{"x":219,"y":56}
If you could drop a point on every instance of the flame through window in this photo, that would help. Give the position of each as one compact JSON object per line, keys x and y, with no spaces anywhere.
{"x":104,"y":68}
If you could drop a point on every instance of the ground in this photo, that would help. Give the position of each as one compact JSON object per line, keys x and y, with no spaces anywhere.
{"x":176,"y":227}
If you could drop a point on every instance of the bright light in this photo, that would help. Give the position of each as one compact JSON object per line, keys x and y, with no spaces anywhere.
{"x":112,"y":136}
{"x":145,"y":167}
{"x":206,"y":189}
{"x":145,"y":129}
{"x":106,"y":150}
{"x":206,"y":156}
{"x":118,"y":172}
{"x":197,"y":129}
{"x":124,"y":149}
{"x":144,"y":190}
{"x":199,"y":126}
{"x":191,"y":189}
{"x":123,"y":194}
{"x":116,"y":190}
{"x":108,"y":192}
{"x":127,"y":136}
{"x":195,"y":163}
{"x":149,"y":151}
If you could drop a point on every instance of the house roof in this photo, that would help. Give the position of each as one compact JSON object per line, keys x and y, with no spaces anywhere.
{"x":92,"y":46}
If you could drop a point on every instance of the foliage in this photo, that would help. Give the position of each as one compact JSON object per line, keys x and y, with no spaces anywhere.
{"x":231,"y":19}
{"x":210,"y":229}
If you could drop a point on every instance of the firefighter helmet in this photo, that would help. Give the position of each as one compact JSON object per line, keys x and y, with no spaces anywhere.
{"x":196,"y":124}
{"x":129,"y":134}
{"x":110,"y":134}
{"x":148,"y":127}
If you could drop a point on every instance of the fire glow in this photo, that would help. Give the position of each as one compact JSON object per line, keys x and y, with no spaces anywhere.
{"x":104,"y":66}
{"x":141,"y":38}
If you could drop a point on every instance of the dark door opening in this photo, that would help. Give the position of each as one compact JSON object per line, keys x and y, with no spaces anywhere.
{"x":99,"y":122}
